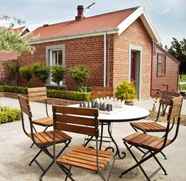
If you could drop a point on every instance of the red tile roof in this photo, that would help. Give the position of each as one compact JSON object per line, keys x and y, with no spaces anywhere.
{"x":103,"y":22}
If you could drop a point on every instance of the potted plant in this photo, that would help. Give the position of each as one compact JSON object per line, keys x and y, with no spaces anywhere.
{"x":26,"y":73}
{"x":126,"y":91}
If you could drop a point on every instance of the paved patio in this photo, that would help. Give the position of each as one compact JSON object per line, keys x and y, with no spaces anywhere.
{"x":15,"y":154}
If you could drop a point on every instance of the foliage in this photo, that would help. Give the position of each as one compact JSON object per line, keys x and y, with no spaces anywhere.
{"x":178,"y":50}
{"x":183,"y":77}
{"x":26,"y":73}
{"x":8,"y":114}
{"x":14,"y":89}
{"x":52,"y":92}
{"x":57,"y":74}
{"x":13,"y":71}
{"x":126,"y":91}
{"x":79,"y":74}
{"x":41,"y":71}
{"x":72,"y":95}
{"x":11,"y":41}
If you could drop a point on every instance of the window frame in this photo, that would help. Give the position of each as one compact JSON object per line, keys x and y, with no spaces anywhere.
{"x":163,"y":63}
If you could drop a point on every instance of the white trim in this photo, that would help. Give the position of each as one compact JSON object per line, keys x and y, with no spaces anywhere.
{"x":147,"y":23}
{"x":105,"y":61}
{"x":140,"y":49}
{"x":83,"y":35}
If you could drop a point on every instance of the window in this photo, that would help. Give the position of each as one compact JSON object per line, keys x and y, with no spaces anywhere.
{"x":55,"y":56}
{"x":161,"y":65}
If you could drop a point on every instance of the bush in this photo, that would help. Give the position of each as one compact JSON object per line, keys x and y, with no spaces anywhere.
{"x":14,"y":89}
{"x":126,"y":91}
{"x":54,"y":93}
{"x":72,"y":95}
{"x":57,"y":74}
{"x":8,"y":114}
{"x":41,"y":72}
{"x":26,"y":73}
{"x":80,"y":75}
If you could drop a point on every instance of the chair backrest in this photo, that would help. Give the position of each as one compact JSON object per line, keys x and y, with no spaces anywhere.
{"x":98,"y":92}
{"x":37,"y":93}
{"x":25,"y":109}
{"x":76,"y":120}
{"x":173,"y":119}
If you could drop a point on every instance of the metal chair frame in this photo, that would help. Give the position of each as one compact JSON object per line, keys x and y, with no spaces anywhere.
{"x":174,"y":117}
{"x":25,"y":109}
{"x":66,"y":170}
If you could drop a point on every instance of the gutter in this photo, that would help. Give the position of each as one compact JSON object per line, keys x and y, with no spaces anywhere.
{"x":105,"y":61}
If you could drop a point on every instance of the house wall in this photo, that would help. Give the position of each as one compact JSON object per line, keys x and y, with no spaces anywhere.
{"x":135,"y":35}
{"x":88,"y":51}
{"x":169,"y":82}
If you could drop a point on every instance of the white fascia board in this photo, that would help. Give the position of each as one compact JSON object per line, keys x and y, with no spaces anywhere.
{"x":52,"y":39}
{"x":129,"y":20}
{"x":150,"y":28}
{"x":133,"y":17}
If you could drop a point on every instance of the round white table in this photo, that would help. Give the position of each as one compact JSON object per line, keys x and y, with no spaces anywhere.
{"x":123,"y":114}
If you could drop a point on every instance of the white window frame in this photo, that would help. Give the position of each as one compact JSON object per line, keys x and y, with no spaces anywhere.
{"x":49,"y":50}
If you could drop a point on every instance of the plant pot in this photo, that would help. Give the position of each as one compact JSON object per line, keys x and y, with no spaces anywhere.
{"x":129,"y":102}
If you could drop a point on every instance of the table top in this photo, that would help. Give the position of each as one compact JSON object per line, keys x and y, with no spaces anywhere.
{"x":124,"y":114}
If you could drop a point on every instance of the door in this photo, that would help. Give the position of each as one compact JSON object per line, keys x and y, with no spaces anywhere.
{"x":135,"y":70}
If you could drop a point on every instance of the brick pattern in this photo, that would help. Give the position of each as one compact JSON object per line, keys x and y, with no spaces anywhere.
{"x":168,"y":82}
{"x":135,"y":35}
{"x":87,"y":51}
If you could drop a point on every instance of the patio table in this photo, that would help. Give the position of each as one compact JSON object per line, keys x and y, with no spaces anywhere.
{"x":123,"y":114}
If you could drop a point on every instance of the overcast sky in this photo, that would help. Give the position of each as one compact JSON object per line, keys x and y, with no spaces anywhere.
{"x":168,"y":16}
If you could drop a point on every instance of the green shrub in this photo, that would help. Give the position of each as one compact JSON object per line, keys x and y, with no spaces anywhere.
{"x":72,"y":95}
{"x":26,"y":73}
{"x":8,"y":114}
{"x":41,"y":72}
{"x":14,"y":89}
{"x":125,"y":91}
{"x":80,"y":75}
{"x":57,"y":74}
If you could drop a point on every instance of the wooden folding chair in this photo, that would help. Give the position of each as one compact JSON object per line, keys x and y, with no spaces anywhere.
{"x":150,"y":126}
{"x":81,"y":121}
{"x":155,"y":144}
{"x":43,"y":140}
{"x":40,"y":94}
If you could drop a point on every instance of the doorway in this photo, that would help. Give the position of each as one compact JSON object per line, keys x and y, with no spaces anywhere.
{"x":135,"y":61}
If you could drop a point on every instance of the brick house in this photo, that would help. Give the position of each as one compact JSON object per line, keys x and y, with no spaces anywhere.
{"x":115,"y":46}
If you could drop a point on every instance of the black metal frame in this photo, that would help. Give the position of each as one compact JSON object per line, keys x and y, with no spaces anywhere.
{"x":43,"y":148}
{"x":67,"y":171}
{"x":152,"y":153}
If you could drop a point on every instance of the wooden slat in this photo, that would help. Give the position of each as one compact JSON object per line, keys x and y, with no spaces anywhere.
{"x":76,"y":111}
{"x":24,"y":104}
{"x":76,"y":120}
{"x":37,"y":93}
{"x":37,"y":89}
{"x":76,"y":129}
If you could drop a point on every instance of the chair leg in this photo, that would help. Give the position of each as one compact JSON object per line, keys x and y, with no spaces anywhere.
{"x":138,"y":163}
{"x":161,"y":166}
{"x":67,"y":172}
{"x":35,"y":157}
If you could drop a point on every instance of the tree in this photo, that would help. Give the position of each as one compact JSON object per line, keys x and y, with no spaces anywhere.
{"x":57,"y":74}
{"x":12,"y":41}
{"x":178,"y":50}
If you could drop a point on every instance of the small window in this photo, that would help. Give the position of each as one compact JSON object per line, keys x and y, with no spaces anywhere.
{"x":161,"y":65}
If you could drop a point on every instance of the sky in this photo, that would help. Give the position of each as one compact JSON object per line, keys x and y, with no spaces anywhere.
{"x":167,"y":16}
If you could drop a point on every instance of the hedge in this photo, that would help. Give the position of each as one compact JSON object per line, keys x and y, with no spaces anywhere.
{"x":8,"y":114}
{"x":54,"y":93}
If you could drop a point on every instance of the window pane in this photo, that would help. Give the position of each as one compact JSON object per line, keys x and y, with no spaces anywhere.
{"x":161,"y":65}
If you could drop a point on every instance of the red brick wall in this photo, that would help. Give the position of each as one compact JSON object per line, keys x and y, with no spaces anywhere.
{"x":168,"y":82}
{"x":135,"y":35}
{"x":87,"y":51}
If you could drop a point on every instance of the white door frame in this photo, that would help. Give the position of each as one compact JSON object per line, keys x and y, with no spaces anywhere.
{"x":140,"y":49}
